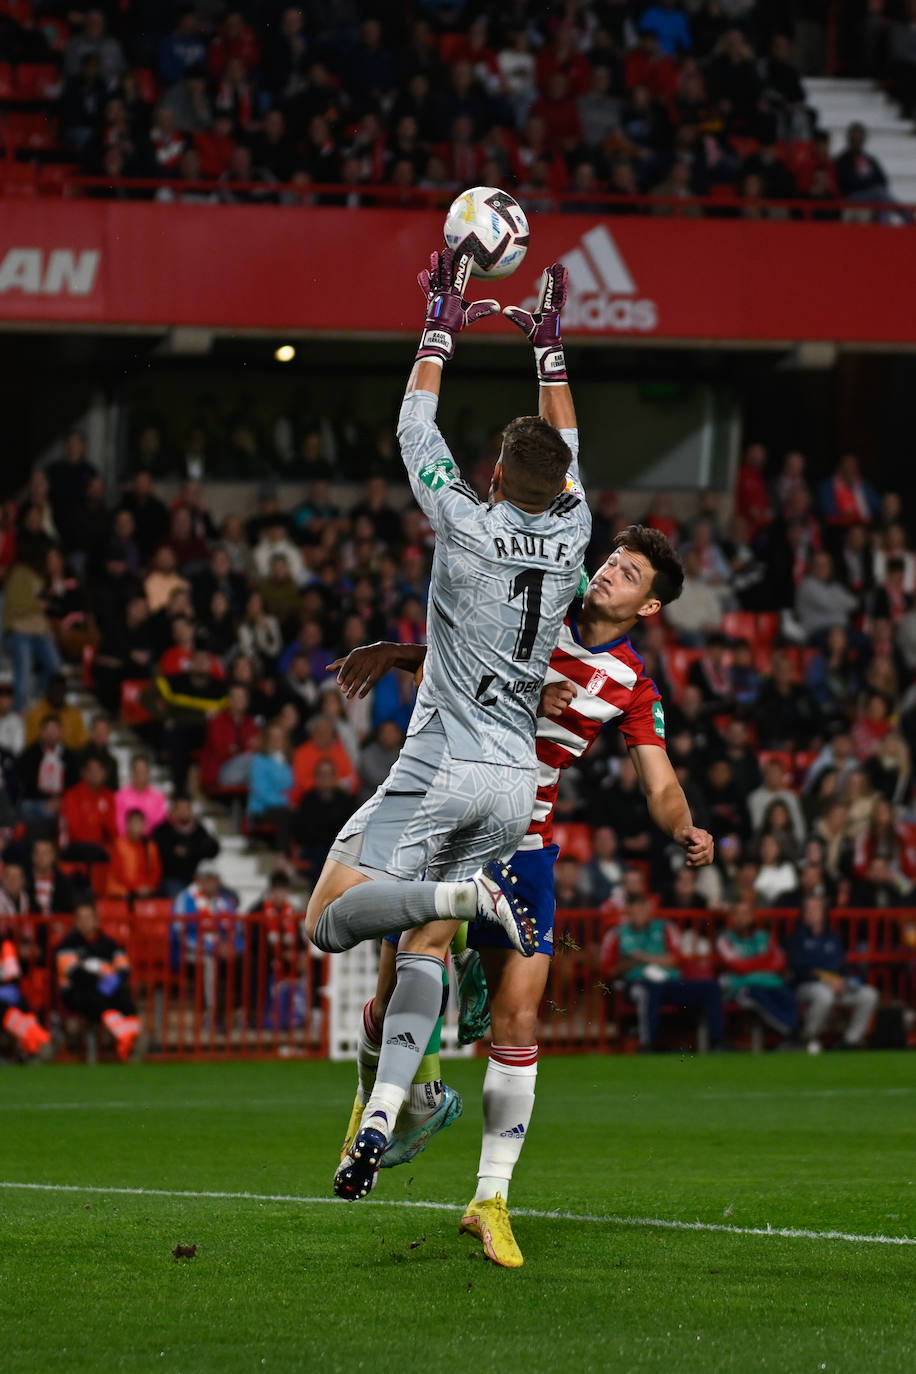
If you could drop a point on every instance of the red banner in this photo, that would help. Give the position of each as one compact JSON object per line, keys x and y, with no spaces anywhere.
{"x":352,"y":271}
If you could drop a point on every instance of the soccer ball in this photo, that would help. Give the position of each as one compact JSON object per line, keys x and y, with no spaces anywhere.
{"x":492,"y":227}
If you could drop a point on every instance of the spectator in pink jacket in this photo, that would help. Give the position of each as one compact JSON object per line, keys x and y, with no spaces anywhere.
{"x":139,"y":795}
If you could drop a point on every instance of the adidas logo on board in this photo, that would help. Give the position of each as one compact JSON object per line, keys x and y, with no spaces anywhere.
{"x":602,"y":291}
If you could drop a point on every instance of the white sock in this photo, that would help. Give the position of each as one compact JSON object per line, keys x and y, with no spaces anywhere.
{"x":424,"y":1098}
{"x":456,"y":900}
{"x":381,"y":1111}
{"x":508,"y":1101}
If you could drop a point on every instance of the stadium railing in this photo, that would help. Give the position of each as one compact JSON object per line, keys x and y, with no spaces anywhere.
{"x":58,"y":180}
{"x":229,"y":986}
{"x":585,"y":1010}
{"x":248,"y":987}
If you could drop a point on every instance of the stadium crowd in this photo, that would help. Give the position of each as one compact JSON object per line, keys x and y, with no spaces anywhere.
{"x":561,"y":104}
{"x":786,"y":666}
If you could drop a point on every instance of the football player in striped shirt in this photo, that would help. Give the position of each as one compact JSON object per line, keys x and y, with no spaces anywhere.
{"x":595,"y":678}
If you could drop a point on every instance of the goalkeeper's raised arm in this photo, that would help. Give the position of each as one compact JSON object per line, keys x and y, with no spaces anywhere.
{"x":542,"y":328}
{"x":431,"y":469}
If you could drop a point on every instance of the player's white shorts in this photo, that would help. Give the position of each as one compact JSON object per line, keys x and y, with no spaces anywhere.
{"x":437,"y":817}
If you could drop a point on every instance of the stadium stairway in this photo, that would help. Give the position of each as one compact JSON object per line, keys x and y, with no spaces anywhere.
{"x":244,"y":872}
{"x":891,"y":138}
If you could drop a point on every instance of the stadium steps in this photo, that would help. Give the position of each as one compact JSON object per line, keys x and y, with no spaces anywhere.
{"x":244,"y":872}
{"x":891,"y":138}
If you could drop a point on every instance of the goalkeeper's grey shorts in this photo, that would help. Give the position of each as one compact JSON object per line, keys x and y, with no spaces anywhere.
{"x":437,"y":817}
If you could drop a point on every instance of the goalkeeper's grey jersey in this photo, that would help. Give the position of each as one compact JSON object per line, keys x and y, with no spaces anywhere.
{"x":502,"y":581}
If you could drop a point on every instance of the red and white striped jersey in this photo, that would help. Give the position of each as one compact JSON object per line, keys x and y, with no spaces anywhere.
{"x":611,"y":685}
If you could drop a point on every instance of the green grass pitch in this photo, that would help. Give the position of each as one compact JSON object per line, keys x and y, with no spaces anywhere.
{"x":284,"y":1283}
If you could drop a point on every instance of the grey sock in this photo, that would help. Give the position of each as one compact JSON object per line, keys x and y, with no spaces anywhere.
{"x":371,"y":909}
{"x":410,"y":1020}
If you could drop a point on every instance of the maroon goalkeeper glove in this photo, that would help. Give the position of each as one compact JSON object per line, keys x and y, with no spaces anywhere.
{"x":447,"y":312}
{"x":543,"y":327}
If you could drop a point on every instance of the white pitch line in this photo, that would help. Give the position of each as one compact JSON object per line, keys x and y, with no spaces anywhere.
{"x":656,"y":1223}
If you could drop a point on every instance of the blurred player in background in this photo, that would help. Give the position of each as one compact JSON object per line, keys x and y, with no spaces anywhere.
{"x":595,"y":679}
{"x":461,"y":794}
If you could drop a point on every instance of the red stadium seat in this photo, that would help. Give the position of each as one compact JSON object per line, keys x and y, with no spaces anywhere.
{"x":767,"y":626}
{"x":149,"y":949}
{"x":112,"y":910}
{"x":740,"y":625}
{"x":36,"y":985}
{"x":801,"y":655}
{"x":678,"y":662}
{"x":88,"y":660}
{"x":33,"y":131}
{"x":453,"y":48}
{"x":54,"y":177}
{"x":37,"y":81}
{"x":18,"y":178}
{"x":133,"y":712}
{"x":152,"y":909}
{"x":803,"y":759}
{"x":147,"y":85}
{"x":575,"y":841}
{"x":6,"y":81}
{"x":797,"y":152}
{"x":20,"y":10}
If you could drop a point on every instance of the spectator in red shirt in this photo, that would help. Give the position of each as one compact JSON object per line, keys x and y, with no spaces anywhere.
{"x":873,"y":721}
{"x":7,"y":538}
{"x":752,"y":497}
{"x":177,"y":657}
{"x":559,"y":112}
{"x":235,"y":39}
{"x":661,"y":518}
{"x":88,"y":828}
{"x":562,"y":56}
{"x":215,"y":147}
{"x":136,"y":868}
{"x":647,"y":65}
{"x":230,"y":743}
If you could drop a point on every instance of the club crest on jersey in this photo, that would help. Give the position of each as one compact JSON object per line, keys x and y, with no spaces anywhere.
{"x":658,"y":719}
{"x":438,"y":474}
{"x":596,"y":682}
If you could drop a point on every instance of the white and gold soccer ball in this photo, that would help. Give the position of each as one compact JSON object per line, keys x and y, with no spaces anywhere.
{"x":492,"y":227}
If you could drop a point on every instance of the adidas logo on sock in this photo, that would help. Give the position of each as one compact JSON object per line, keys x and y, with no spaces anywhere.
{"x":405,"y":1040}
{"x":515,"y":1132}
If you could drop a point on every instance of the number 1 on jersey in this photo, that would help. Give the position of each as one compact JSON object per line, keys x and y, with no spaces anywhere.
{"x":528,"y":586}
